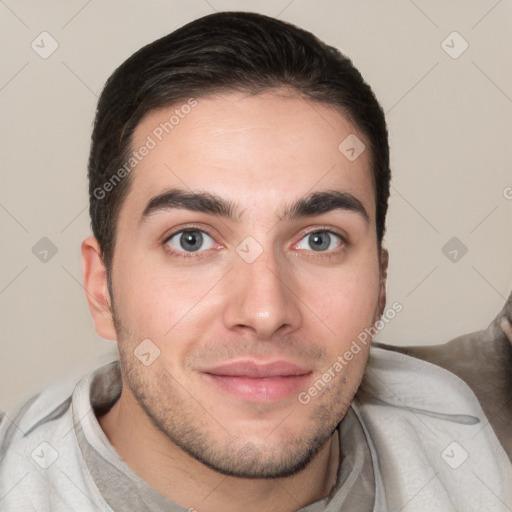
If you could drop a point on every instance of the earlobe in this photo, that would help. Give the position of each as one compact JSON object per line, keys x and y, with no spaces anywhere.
{"x":94,"y":277}
{"x":384,"y":260}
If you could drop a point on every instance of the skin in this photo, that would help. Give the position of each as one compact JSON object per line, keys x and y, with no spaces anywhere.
{"x":171,"y":423}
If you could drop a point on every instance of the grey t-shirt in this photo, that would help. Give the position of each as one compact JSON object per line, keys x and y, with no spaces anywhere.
{"x":125,"y":491}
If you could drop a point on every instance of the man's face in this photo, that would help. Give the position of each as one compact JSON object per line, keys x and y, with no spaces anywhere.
{"x":247,"y":311}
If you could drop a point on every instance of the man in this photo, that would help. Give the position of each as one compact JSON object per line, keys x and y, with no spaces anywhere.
{"x":239,"y":178}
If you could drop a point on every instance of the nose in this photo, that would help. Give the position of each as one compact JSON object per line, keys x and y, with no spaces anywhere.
{"x":261,"y":298}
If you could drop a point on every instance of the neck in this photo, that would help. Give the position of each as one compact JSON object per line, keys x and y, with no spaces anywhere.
{"x":159,"y":462}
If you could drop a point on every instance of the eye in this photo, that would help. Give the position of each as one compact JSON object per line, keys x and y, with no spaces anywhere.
{"x":190,"y":240}
{"x":320,"y":241}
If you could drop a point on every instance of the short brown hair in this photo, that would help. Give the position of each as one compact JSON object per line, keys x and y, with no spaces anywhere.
{"x":225,"y":51}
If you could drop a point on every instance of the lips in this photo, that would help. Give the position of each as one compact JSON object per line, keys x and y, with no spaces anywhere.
{"x":256,"y":382}
{"x":254,"y":370}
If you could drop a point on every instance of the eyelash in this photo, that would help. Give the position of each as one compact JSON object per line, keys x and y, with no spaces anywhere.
{"x":201,"y":254}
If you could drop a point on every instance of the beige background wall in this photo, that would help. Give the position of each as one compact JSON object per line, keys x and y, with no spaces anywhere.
{"x":450,"y":127}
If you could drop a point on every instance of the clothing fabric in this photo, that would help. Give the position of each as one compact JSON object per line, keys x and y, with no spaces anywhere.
{"x":414,"y":439}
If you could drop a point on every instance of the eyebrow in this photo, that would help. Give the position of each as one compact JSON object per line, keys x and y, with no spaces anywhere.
{"x":313,"y":204}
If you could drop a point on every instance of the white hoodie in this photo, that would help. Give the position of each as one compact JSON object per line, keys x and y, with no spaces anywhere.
{"x":415,"y":439}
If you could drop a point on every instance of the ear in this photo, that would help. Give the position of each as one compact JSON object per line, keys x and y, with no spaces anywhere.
{"x":384,"y":260}
{"x":507,"y":328}
{"x":94,"y":277}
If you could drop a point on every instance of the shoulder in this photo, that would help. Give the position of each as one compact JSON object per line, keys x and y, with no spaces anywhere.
{"x":26,"y":417}
{"x":41,"y":465}
{"x":422,"y":421}
{"x":483,"y":361}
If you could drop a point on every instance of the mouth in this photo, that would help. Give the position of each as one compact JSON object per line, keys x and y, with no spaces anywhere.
{"x":255,"y":382}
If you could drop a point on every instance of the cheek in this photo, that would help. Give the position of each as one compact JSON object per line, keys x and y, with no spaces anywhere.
{"x":146,"y":299}
{"x":345,"y":299}
{"x":160,"y":303}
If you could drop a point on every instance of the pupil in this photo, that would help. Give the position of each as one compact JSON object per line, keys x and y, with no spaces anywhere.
{"x":191,"y":240}
{"x":320,"y":242}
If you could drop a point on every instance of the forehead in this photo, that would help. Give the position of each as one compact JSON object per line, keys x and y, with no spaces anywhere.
{"x":261,"y":151}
